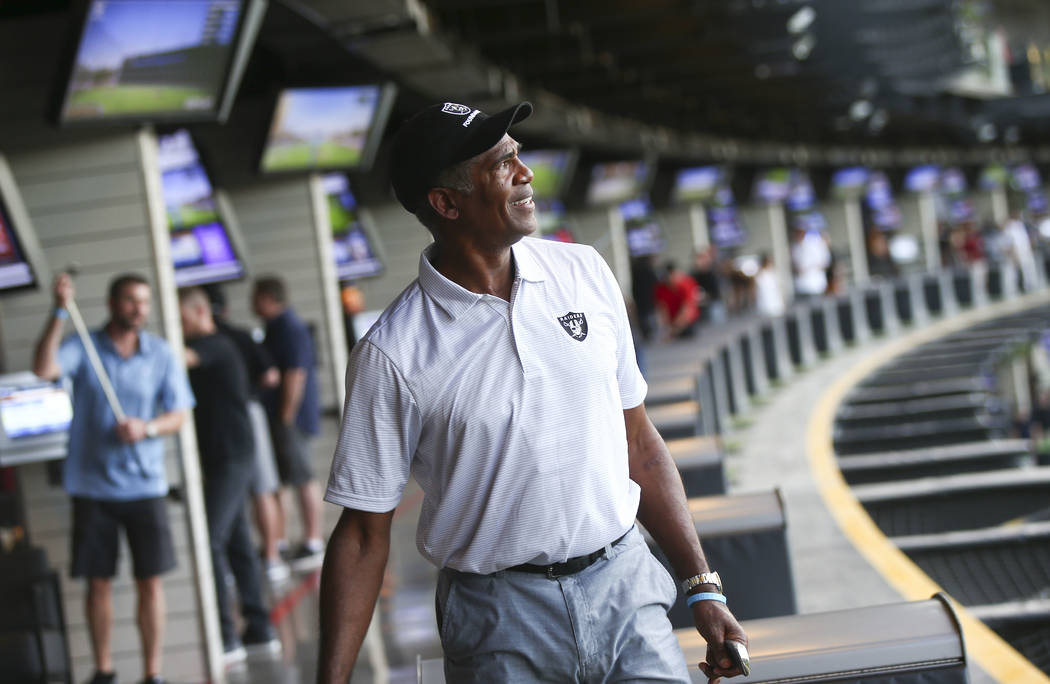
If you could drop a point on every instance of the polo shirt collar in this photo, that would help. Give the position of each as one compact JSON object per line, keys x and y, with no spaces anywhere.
{"x":455,"y":299}
{"x":102,"y":339}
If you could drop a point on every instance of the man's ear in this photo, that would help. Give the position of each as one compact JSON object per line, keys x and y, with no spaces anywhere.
{"x":443,"y":203}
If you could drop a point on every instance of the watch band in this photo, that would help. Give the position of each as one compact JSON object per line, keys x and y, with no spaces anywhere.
{"x":151,"y":429}
{"x":702,"y":578}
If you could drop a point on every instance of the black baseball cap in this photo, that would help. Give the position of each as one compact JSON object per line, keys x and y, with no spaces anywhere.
{"x":441,"y":136}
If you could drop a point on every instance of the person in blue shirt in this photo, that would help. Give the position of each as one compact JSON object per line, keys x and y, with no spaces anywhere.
{"x":114,"y":469}
{"x":293,"y":409}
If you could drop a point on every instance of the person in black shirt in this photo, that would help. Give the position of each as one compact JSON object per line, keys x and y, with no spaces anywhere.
{"x":265,"y":486}
{"x":224,"y":439}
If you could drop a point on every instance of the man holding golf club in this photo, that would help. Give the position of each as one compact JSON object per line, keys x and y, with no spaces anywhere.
{"x":128,"y":391}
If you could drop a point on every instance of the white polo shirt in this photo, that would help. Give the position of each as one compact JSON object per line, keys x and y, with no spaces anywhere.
{"x":509,"y":415}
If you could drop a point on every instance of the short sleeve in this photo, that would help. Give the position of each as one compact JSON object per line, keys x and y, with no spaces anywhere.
{"x":175,"y":393}
{"x":70,"y":356}
{"x":628,"y":375}
{"x":378,"y":437}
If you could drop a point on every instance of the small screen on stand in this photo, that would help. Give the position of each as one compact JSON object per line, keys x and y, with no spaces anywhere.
{"x":33,"y":409}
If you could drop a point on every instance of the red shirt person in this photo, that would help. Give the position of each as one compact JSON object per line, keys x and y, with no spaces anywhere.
{"x":678,"y":296}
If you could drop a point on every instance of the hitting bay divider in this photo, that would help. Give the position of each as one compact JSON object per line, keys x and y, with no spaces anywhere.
{"x":994,"y":655}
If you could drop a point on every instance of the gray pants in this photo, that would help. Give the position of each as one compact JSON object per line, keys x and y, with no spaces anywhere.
{"x":606,"y":623}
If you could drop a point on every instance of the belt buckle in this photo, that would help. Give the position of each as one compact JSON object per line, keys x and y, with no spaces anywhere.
{"x":550,"y":572}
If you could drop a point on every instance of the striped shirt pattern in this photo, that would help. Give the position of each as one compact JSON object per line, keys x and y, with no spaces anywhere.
{"x":510,"y":420}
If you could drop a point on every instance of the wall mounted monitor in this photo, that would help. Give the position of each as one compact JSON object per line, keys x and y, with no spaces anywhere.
{"x":697,"y":184}
{"x":616,"y":182}
{"x":34,"y":419}
{"x":952,"y":181}
{"x":800,"y":197}
{"x":922,"y":178}
{"x":22,"y":265}
{"x":146,"y":60}
{"x":993,"y":177}
{"x":772,"y":185}
{"x":327,"y":128}
{"x":849,"y":182}
{"x":353,"y":247}
{"x":551,"y":171}
{"x":643,"y":231}
{"x":1025,"y":178}
{"x":552,"y":220}
{"x":201,"y":246}
{"x":723,"y":223}
{"x":1036,"y":202}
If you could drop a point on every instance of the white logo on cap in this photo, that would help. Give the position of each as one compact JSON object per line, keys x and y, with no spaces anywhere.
{"x":453,"y":108}
{"x":471,"y":117}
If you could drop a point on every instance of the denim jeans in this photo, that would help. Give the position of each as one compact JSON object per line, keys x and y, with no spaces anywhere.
{"x":225,"y":496}
{"x":606,"y":623}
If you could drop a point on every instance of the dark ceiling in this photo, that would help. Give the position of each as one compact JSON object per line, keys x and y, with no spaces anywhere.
{"x":734,"y":68}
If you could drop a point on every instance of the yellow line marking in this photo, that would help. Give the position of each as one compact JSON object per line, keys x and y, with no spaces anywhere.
{"x":992,"y":653}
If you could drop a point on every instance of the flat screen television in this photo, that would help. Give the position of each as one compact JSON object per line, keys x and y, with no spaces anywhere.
{"x":952,"y":182}
{"x":551,"y":217}
{"x":993,"y":177}
{"x":772,"y":185}
{"x":643,"y":231}
{"x":22,"y":265}
{"x":1025,"y":178}
{"x":352,"y":246}
{"x":202,"y":250}
{"x":327,"y":128}
{"x":922,"y":178}
{"x":801,"y":196}
{"x":723,"y":223}
{"x":849,"y":182}
{"x":146,"y":60}
{"x":616,"y":182}
{"x":551,"y":171}
{"x":697,"y":184}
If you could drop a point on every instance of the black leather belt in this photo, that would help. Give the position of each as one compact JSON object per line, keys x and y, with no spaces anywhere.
{"x":569,"y":567}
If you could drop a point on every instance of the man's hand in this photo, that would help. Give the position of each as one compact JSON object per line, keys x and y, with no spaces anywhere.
{"x":131,"y":430}
{"x":63,"y":290}
{"x":717,"y":625}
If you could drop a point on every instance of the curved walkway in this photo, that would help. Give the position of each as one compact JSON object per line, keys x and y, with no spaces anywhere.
{"x":839,"y":559}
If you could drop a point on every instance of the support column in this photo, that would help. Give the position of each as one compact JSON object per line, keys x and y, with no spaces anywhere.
{"x":928,"y":227}
{"x":328,"y":285}
{"x":698,"y":224}
{"x":167,"y":300}
{"x":621,"y":258}
{"x":858,"y":249}
{"x":781,"y":251}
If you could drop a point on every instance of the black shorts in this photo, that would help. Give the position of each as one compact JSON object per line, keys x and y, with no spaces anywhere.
{"x":96,"y":528}
{"x":291,"y":449}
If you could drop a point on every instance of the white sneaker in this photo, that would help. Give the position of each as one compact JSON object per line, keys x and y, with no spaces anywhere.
{"x":277,"y":571}
{"x":307,"y":557}
{"x":234,"y":655}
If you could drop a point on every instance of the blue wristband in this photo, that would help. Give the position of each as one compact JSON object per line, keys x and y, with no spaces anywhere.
{"x":705,"y":596}
{"x":60,"y":313}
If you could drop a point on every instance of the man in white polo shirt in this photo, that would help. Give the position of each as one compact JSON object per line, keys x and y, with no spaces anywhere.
{"x":503,"y":379}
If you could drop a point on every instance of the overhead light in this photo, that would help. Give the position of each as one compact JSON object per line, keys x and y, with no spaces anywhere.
{"x":987,"y":132}
{"x":860,"y":110}
{"x":801,"y":20}
{"x":878,"y":120}
{"x":803,"y":47}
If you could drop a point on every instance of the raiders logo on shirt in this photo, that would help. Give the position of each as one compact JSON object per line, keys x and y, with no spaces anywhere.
{"x":575,"y":324}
